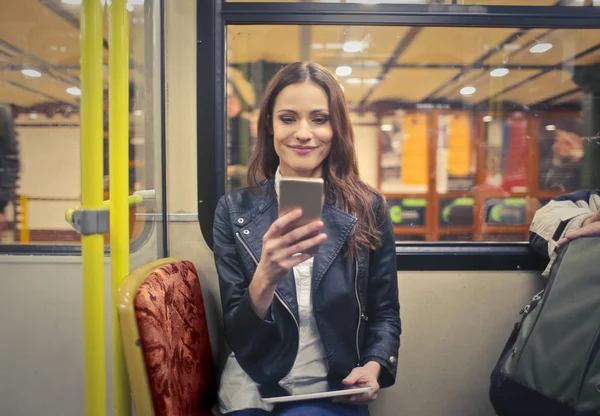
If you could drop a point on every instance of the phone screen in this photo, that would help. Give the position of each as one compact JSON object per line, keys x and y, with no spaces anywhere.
{"x":304,"y":193}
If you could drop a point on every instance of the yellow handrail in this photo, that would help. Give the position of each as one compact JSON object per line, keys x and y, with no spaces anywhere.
{"x":92,"y":184}
{"x":118,"y":134}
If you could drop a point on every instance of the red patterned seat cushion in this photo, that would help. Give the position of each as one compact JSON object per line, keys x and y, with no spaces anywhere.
{"x":174,"y":335}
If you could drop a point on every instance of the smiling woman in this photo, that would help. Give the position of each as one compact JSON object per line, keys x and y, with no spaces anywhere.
{"x":281,"y":328}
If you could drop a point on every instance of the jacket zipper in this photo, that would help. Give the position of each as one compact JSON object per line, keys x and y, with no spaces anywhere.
{"x":359,"y":310}
{"x":276,"y":294}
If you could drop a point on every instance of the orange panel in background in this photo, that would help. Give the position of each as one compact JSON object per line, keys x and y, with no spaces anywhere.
{"x":414,"y":149}
{"x":459,"y":146}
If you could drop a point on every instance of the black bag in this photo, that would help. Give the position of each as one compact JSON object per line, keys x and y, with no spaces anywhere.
{"x":550,"y":365}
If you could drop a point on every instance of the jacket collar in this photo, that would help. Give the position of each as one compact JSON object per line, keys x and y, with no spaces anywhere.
{"x":337,"y":225}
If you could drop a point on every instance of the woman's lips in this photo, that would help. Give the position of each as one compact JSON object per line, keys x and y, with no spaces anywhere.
{"x":302,"y":150}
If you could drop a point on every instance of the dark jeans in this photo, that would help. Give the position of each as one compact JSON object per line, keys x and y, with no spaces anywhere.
{"x":308,"y":409}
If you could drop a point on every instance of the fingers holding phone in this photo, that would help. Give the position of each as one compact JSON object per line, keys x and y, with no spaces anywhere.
{"x":286,"y":245}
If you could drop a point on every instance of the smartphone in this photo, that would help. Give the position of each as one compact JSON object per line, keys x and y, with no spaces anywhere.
{"x":304,"y":193}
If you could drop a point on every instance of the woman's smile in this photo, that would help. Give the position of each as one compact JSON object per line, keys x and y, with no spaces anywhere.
{"x":301,"y":149}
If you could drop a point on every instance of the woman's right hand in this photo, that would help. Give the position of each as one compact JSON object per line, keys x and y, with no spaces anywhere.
{"x":279,"y":248}
{"x":278,"y":257}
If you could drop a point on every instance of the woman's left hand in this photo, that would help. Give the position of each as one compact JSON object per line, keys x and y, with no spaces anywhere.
{"x":365,"y":376}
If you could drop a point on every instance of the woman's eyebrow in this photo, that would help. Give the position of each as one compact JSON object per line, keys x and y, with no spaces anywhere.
{"x":318,"y":110}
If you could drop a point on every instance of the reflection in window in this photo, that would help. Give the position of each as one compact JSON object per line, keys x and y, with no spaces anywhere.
{"x":40,"y":89}
{"x":466,"y":131}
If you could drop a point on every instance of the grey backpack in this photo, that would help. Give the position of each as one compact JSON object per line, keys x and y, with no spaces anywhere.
{"x":550,"y":365}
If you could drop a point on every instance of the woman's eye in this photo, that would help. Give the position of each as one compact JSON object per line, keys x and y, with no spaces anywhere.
{"x":287,"y":120}
{"x":321,"y":120}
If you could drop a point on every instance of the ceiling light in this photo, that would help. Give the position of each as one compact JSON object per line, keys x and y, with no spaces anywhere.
{"x":317,"y":46}
{"x":371,"y":81}
{"x":487,"y":119}
{"x":333,"y":46}
{"x":499,"y":72}
{"x":353,"y":46}
{"x":386,"y":127}
{"x":138,"y":113}
{"x":540,"y":48}
{"x":343,"y":71}
{"x":550,"y":127}
{"x":74,"y":91}
{"x":467,"y":91}
{"x":31,"y":73}
{"x":354,"y":81}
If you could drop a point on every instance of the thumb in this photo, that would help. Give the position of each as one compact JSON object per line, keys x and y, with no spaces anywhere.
{"x":352,"y":378}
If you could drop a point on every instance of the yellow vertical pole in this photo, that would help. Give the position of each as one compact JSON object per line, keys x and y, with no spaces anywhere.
{"x":24,"y":232}
{"x":118,"y":61}
{"x":92,"y":184}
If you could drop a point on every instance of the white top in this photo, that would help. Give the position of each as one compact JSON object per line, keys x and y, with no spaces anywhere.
{"x":238,"y":391}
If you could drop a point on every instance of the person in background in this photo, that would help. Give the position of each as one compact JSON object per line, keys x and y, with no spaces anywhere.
{"x":565,"y":218}
{"x":287,"y":322}
{"x":9,"y":162}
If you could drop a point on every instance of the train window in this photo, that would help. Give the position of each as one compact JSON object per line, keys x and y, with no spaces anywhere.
{"x":466,"y":130}
{"x":40,"y":96}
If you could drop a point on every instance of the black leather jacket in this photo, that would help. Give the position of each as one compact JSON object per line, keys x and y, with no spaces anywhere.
{"x":355,"y":302}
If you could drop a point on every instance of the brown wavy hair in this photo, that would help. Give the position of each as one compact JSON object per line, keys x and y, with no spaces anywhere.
{"x":340,"y":169}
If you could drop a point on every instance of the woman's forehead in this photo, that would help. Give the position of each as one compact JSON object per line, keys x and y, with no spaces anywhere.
{"x":306,"y":96}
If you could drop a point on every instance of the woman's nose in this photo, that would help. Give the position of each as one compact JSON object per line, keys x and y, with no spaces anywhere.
{"x":304,"y":132}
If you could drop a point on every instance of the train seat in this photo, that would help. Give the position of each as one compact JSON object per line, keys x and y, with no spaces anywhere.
{"x":166,"y":340}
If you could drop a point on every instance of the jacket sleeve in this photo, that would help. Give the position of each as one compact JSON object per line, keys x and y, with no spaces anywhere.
{"x":559,"y":217}
{"x":382,"y":340}
{"x":246,"y":333}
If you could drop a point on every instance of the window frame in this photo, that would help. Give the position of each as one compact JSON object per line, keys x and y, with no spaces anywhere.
{"x":213,"y":17}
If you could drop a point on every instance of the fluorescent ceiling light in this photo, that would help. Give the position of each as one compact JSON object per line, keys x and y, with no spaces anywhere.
{"x":317,"y":46}
{"x":343,"y":71}
{"x":499,"y":72}
{"x":467,"y":91}
{"x":371,"y":81}
{"x":31,"y":73}
{"x":386,"y":127}
{"x":550,"y":127}
{"x":138,"y":113}
{"x":487,"y":119}
{"x":74,"y":91}
{"x":353,"y":46}
{"x":540,"y":48}
{"x":354,"y":81}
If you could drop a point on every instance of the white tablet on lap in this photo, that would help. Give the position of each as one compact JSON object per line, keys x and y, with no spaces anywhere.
{"x":314,"y":391}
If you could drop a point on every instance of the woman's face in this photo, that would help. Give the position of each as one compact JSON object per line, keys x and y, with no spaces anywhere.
{"x":302,"y":131}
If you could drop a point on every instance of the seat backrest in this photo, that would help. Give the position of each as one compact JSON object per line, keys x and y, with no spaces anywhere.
{"x":173,"y":346}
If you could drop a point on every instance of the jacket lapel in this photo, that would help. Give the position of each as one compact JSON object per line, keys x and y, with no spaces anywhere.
{"x":337,"y":226}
